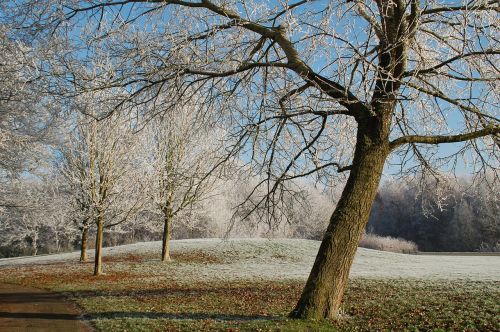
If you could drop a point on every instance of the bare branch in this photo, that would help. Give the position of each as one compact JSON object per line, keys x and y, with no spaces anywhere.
{"x":448,"y":61}
{"x":440,"y":139}
{"x":490,"y":5}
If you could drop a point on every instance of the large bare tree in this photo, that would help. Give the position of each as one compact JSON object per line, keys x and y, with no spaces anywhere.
{"x":310,"y":87}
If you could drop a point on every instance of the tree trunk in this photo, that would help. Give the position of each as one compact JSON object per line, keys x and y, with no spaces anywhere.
{"x":98,"y":246}
{"x":167,"y":235}
{"x":34,"y":244}
{"x":56,"y":238}
{"x":322,"y":295}
{"x":168,"y":216}
{"x":83,"y":247}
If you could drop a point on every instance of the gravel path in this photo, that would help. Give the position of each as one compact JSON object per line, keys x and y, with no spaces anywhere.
{"x":31,"y":309}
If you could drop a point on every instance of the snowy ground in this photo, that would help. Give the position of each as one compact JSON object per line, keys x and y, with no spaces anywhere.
{"x":288,"y":259}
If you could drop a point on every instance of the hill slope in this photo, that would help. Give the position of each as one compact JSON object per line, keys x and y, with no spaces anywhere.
{"x":284,"y":259}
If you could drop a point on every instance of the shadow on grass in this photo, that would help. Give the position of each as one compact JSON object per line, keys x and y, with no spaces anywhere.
{"x":179,"y":316}
{"x":172,"y":290}
{"x":184,"y":291}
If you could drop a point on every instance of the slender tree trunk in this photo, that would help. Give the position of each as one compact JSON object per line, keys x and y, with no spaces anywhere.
{"x":322,"y":295}
{"x":56,"y":236}
{"x":34,"y":244}
{"x":167,"y":235}
{"x":84,"y":244}
{"x":168,"y":216}
{"x":98,"y":246}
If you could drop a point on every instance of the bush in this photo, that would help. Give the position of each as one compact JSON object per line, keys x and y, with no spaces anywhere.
{"x":387,"y":243}
{"x":485,"y":247}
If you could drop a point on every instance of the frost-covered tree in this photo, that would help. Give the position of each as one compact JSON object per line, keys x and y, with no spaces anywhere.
{"x":311,"y":87}
{"x":100,"y":166}
{"x":25,"y":114}
{"x":76,"y":166}
{"x":181,"y":150}
{"x":36,"y":216}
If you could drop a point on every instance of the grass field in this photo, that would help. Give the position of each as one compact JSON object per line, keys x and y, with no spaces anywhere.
{"x":251,"y":285}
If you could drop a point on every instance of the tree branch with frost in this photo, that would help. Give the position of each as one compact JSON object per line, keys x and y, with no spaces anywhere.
{"x":440,"y":139}
{"x":433,"y":69}
{"x":489,"y":5}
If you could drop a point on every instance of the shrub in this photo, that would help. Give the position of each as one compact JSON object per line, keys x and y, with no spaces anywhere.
{"x":387,"y":243}
{"x":485,"y":247}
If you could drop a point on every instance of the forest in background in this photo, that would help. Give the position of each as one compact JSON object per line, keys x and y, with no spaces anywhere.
{"x":448,"y":216}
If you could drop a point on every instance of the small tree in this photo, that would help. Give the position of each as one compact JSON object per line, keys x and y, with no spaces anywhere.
{"x":99,"y":164}
{"x":181,"y":151}
{"x":76,"y":167}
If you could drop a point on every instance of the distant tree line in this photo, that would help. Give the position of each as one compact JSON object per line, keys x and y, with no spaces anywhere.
{"x":45,"y":218}
{"x":444,"y":215}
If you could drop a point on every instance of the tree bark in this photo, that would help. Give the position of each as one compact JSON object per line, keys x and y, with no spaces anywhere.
{"x":84,"y":244}
{"x":34,"y":244}
{"x":98,"y":246}
{"x":168,"y":216}
{"x":322,"y":295}
{"x":56,"y":236}
{"x":167,"y":235}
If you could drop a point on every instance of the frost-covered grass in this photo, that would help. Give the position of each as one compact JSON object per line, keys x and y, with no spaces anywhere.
{"x":282,"y":259}
{"x":251,"y":284}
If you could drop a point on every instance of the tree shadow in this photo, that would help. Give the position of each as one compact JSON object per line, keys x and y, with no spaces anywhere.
{"x":178,"y":316}
{"x":174,"y":291}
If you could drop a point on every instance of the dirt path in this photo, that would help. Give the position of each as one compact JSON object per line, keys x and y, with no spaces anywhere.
{"x":31,"y":309}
